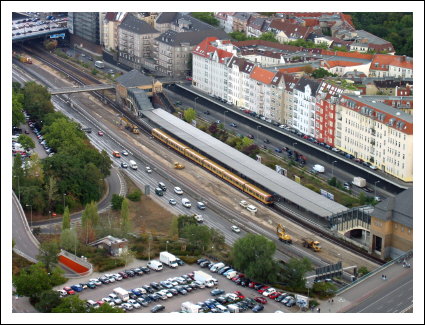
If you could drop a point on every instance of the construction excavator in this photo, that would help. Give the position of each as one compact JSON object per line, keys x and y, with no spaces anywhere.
{"x":178,"y":165}
{"x":283,"y":236}
{"x":130,"y":126}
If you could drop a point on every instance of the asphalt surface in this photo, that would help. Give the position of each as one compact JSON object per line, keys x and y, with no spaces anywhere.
{"x":174,"y":303}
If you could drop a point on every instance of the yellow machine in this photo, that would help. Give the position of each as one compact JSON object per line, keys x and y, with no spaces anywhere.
{"x":311,"y":243}
{"x":22,"y":58}
{"x":283,"y":236}
{"x":177,"y":165}
{"x":130,"y":126}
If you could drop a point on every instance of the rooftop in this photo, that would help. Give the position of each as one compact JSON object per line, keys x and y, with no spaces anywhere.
{"x":134,"y":78}
{"x":137,"y":26}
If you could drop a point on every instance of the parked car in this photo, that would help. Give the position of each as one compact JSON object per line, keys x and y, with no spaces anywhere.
{"x":77,"y":288}
{"x":261,"y":300}
{"x":233,"y":125}
{"x":216,"y":292}
{"x":257,"y":308}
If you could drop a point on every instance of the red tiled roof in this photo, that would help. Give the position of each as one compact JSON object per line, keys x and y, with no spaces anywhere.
{"x":262,"y":75}
{"x":309,"y":14}
{"x":385,"y":60}
{"x":292,"y":70}
{"x":204,"y":48}
{"x":338,"y":63}
{"x":349,"y":54}
{"x":291,"y":29}
{"x":311,"y":22}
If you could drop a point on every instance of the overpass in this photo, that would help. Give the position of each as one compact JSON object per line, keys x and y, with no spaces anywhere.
{"x":32,"y":34}
{"x":70,"y":90}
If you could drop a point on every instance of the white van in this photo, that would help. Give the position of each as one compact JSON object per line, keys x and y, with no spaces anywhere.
{"x":92,"y":304}
{"x":155,"y":265}
{"x":216,"y":266}
{"x":133,"y":164}
{"x":231,"y":274}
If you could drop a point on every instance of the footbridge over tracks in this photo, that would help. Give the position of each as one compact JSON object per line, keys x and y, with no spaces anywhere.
{"x":356,"y":218}
{"x":69,"y":90}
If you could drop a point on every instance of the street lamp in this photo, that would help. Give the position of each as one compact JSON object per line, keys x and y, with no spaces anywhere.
{"x":225,"y":117}
{"x":333,"y":162}
{"x":166,"y":246}
{"x":19,"y":188}
{"x":258,"y":134}
{"x":64,"y":194}
{"x":195,"y":103}
{"x":29,"y":205}
{"x":375,"y":186}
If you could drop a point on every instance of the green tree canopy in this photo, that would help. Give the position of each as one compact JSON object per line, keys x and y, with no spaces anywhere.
{"x":48,"y":300}
{"x":206,"y":17}
{"x":189,"y":115}
{"x":71,"y":304}
{"x":253,"y":255}
{"x":37,"y":100}
{"x":106,"y":308}
{"x":26,"y":142}
{"x":48,"y":253}
{"x":66,"y":219}
{"x":17,"y":106}
{"x":125,"y":221}
{"x":294,"y":271}
{"x":69,"y":239}
{"x":32,"y":280}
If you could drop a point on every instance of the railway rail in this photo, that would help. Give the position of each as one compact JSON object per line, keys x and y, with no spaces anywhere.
{"x":83,"y":78}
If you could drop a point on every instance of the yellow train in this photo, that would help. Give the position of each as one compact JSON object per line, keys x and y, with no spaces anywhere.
{"x":213,"y":167}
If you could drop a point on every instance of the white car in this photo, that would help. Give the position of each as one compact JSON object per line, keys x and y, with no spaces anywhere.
{"x":282,"y":126}
{"x":127,"y":306}
{"x":115,"y":299}
{"x":162,"y":295}
{"x":108,"y":301}
{"x":243,"y":203}
{"x":96,"y":281}
{"x":269,"y":291}
{"x":62,"y":293}
{"x":172,"y":202}
{"x":173,"y":281}
{"x":124,"y":152}
{"x":251,"y":208}
{"x":186,"y":203}
{"x":148,"y":169}
{"x":117,"y":276}
{"x":236,"y":229}
{"x":134,"y":303}
{"x":178,"y":190}
{"x":335,"y":149}
{"x":373,"y":167}
{"x":168,"y":294}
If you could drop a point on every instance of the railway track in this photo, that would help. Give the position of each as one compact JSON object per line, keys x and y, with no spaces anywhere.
{"x":82,"y":78}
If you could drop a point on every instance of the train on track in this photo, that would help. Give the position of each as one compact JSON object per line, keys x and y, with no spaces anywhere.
{"x":213,"y":167}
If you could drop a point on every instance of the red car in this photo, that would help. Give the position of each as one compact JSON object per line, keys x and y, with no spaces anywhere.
{"x":263,"y":289}
{"x":305,"y":137}
{"x":234,"y":278}
{"x":252,"y":284}
{"x":275,"y":295}
{"x":69,"y":290}
{"x":100,"y":133}
{"x":239,"y":294}
{"x":261,"y":300}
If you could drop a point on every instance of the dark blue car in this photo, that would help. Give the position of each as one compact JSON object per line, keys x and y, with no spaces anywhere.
{"x":77,"y":288}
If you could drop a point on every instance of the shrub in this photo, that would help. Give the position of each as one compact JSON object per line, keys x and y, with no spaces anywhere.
{"x":189,"y":259}
{"x":117,"y":201}
{"x":134,"y":196}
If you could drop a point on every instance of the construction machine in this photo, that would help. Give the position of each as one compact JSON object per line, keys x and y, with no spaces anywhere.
{"x":177,"y":165}
{"x":130,"y":126}
{"x":311,"y":243}
{"x":22,"y":58}
{"x":283,"y":236}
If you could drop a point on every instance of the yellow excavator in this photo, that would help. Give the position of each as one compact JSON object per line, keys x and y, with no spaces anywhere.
{"x":311,"y":243}
{"x":130,"y":126}
{"x":283,"y":236}
{"x":178,"y":165}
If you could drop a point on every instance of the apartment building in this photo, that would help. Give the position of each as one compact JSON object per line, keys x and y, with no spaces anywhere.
{"x":376,"y":132}
{"x":109,"y":27}
{"x":135,"y":38}
{"x":304,"y":109}
{"x":288,"y":99}
{"x":384,"y":65}
{"x":172,"y":50}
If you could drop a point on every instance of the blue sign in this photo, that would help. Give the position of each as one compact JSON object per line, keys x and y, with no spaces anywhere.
{"x":58,"y":35}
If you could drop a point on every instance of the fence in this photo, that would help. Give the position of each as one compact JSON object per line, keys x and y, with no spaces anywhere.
{"x":399,"y":259}
{"x":88,"y":267}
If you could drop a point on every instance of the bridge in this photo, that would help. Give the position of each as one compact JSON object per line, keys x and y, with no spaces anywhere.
{"x":32,"y":34}
{"x":70,"y":90}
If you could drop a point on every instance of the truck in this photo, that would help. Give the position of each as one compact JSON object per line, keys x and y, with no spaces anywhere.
{"x":168,"y":259}
{"x":122,"y":293}
{"x":22,"y":58}
{"x":311,"y":243}
{"x":130,"y":126}
{"x":359,"y":182}
{"x":99,"y":64}
{"x":189,"y":307}
{"x":133,"y":164}
{"x":319,"y":168}
{"x":283,"y":236}
{"x":178,"y":165}
{"x":204,"y":278}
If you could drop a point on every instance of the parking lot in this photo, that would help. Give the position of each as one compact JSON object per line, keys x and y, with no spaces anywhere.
{"x":172,"y":304}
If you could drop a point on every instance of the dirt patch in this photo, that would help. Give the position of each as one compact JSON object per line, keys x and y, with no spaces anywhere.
{"x":18,"y":263}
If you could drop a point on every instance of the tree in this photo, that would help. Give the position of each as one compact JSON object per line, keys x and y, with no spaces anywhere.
{"x":308,"y":69}
{"x":199,"y":236}
{"x":332,"y":181}
{"x":125,"y":222}
{"x":48,"y":253}
{"x":50,"y":44}
{"x":116,"y":201}
{"x":66,"y":219}
{"x":324,"y":289}
{"x":206,"y":17}
{"x":321,"y":73}
{"x":253,"y":255}
{"x":51,"y":191}
{"x":71,"y":304}
{"x":31,"y":280}
{"x":17,"y":106}
{"x":26,"y":142}
{"x":37,"y":100}
{"x":106,"y":308}
{"x":189,"y":115}
{"x":69,"y":239}
{"x":238,"y":36}
{"x":251,"y":150}
{"x":294,"y":271}
{"x":269,"y":36}
{"x":48,"y":300}
{"x":363,"y":271}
